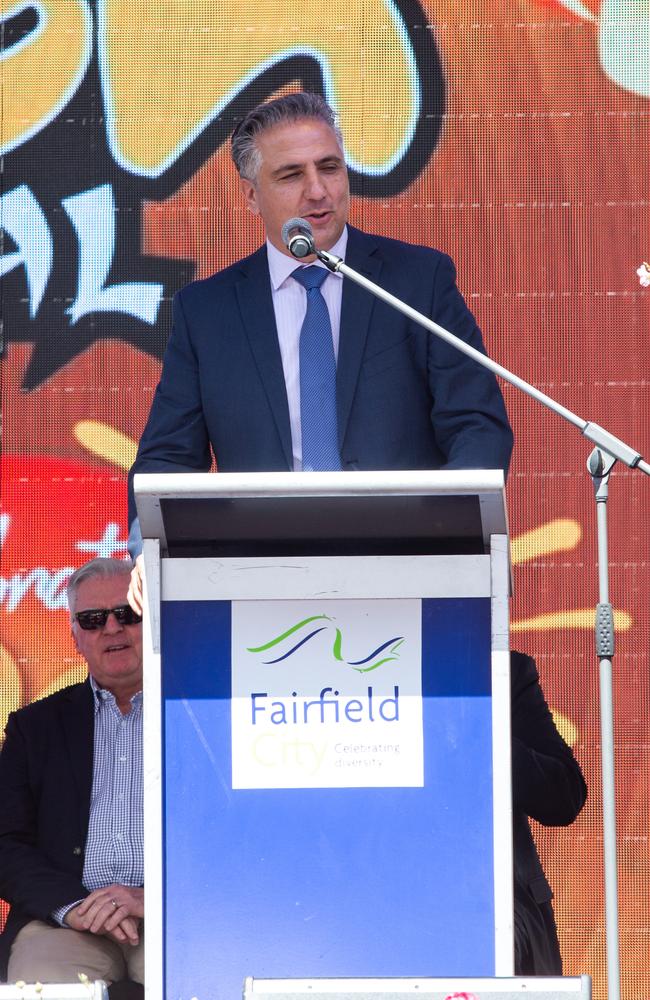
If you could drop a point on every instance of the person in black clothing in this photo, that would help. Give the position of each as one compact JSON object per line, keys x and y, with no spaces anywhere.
{"x":548,"y":786}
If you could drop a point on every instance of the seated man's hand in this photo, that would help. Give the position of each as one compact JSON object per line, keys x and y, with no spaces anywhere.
{"x":114,"y":910}
{"x":134,"y":595}
{"x":125,"y":932}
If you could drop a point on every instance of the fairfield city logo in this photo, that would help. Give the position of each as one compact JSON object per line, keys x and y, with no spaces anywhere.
{"x":330,"y":707}
{"x":302,"y":632}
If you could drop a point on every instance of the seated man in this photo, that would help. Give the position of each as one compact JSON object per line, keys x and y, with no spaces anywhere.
{"x":71,"y":815}
{"x":547,"y":785}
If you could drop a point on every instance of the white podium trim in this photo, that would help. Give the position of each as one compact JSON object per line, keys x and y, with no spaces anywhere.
{"x":325,"y":577}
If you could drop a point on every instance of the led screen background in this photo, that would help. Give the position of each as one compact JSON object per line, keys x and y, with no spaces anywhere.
{"x":514,"y":137}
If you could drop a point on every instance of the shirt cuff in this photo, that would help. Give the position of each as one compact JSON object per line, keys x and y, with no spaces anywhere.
{"x":58,"y":916}
{"x":135,"y":539}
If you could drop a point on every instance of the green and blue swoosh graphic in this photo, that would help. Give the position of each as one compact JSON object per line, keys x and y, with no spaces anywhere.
{"x":303,"y":632}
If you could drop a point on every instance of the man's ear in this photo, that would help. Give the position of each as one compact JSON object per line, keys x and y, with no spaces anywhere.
{"x":74,"y":638}
{"x":250,"y":195}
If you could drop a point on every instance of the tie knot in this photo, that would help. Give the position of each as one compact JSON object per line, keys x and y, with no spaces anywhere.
{"x":310,"y":277}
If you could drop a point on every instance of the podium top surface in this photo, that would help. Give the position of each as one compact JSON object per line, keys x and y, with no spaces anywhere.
{"x":322,"y":513}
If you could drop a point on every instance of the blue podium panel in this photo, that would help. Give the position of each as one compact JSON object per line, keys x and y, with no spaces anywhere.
{"x":327,"y":791}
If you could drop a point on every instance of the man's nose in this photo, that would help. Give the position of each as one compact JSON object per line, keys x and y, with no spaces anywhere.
{"x":314,"y":186}
{"x":112,"y":624}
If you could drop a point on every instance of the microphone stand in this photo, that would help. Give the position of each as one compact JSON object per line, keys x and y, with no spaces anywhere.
{"x":608,"y":451}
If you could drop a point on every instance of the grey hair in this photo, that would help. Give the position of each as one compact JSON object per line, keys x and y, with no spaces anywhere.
{"x":290,"y":108}
{"x":96,"y":568}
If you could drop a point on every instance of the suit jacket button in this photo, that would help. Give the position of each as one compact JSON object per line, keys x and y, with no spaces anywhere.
{"x":76,"y":851}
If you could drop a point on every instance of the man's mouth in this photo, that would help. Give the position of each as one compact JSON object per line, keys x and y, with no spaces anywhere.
{"x":317,"y":217}
{"x":116,"y":647}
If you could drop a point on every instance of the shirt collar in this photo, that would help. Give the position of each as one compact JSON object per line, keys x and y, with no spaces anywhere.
{"x":281,"y":265}
{"x":101,"y":696}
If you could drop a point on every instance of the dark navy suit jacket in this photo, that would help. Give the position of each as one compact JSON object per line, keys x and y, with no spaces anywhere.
{"x":405,"y":399}
{"x":46,"y":772}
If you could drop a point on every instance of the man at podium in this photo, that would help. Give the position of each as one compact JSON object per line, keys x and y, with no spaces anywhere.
{"x":277,"y":366}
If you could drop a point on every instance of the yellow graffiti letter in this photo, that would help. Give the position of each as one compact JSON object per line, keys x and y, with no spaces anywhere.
{"x":172,"y":69}
{"x":42,"y":71}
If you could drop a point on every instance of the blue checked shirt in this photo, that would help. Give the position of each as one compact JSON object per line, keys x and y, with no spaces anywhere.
{"x":114,"y":846}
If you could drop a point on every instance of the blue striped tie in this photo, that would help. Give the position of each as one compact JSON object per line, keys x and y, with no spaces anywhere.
{"x":320,"y":450}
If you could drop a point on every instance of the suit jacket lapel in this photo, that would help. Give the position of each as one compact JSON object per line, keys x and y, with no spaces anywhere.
{"x":256,"y":305}
{"x":78,"y":723}
{"x":356,"y":310}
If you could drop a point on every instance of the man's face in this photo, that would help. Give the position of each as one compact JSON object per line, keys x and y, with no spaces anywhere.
{"x":114,"y":652}
{"x":302,"y":174}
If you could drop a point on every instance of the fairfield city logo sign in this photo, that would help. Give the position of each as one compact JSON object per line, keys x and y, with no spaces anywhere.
{"x":106,"y":105}
{"x":327,"y":694}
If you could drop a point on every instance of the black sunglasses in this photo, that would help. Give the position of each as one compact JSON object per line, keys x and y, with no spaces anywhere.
{"x":96,"y":618}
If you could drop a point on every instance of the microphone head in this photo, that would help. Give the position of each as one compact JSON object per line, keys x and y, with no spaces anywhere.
{"x":298,"y":238}
{"x":299,"y":225}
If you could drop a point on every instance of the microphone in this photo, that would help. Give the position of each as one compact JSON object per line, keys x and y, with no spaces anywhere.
{"x":298,"y":237}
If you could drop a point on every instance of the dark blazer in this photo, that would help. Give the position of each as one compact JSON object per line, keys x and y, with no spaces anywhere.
{"x":46,"y":779}
{"x":405,"y":399}
{"x":547,"y":785}
{"x":46,"y":768}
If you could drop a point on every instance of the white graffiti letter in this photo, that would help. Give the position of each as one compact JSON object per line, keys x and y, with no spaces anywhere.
{"x":92,"y":214}
{"x":23,"y":219}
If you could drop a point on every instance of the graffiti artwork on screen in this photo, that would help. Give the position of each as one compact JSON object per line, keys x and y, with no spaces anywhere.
{"x":73,"y":254}
{"x":117,"y":189}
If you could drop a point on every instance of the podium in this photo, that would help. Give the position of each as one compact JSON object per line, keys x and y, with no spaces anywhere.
{"x":327,"y":728}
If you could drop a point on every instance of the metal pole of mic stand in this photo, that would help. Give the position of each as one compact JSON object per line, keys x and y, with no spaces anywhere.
{"x":601,"y":461}
{"x":600,"y":464}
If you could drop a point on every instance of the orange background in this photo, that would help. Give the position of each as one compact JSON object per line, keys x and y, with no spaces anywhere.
{"x":540,"y":190}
